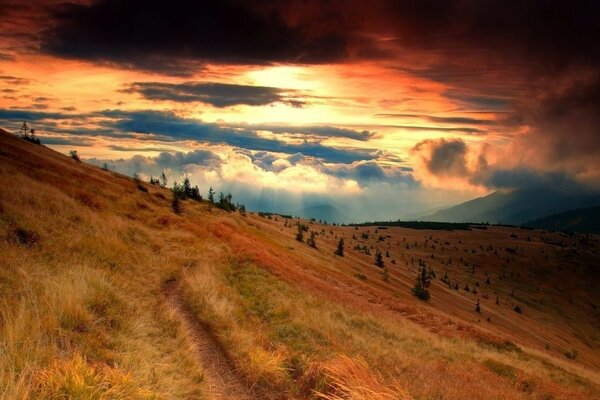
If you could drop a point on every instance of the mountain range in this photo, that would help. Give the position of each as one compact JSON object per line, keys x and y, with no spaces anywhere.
{"x":515,"y":207}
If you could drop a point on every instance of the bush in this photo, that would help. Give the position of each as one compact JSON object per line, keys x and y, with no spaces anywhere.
{"x":22,"y":236}
{"x":379,"y":259}
{"x":138,"y":183}
{"x":339,"y":251}
{"x":73,"y":154}
{"x":518,"y":309}
{"x":312,"y":240}
{"x":300,"y":234}
{"x":571,"y":355}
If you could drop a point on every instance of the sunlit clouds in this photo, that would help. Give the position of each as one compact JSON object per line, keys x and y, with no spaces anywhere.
{"x":454,"y":100}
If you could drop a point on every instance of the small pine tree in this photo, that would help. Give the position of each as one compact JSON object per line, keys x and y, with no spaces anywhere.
{"x":176,"y":203}
{"x":24,"y":130}
{"x":105,"y":167}
{"x":300,"y":234}
{"x":478,"y":307}
{"x":163,"y":179}
{"x":379,"y":259}
{"x":339,"y":251}
{"x":312,"y":240}
{"x":211,"y":195}
{"x":422,"y":284}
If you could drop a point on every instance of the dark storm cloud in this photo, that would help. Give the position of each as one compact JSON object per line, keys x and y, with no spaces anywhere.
{"x":166,"y":126}
{"x":146,"y":35}
{"x":61,"y":140}
{"x":443,"y":157}
{"x":216,"y":94}
{"x":28,"y":115}
{"x":565,"y":123}
{"x":545,"y":34}
{"x":448,"y":158}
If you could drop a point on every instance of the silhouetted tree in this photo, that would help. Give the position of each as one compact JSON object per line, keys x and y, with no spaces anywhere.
{"x":73,"y":154}
{"x":339,"y":251}
{"x":105,"y":167}
{"x":24,"y":129}
{"x":189,"y":191}
{"x":211,"y":195}
{"x":163,"y":179}
{"x":28,"y":134}
{"x":478,"y":307}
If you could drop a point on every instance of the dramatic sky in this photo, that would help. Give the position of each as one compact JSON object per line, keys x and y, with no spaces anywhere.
{"x":382,"y":108}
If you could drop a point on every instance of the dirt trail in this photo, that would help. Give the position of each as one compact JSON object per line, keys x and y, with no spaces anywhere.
{"x":222,"y":378}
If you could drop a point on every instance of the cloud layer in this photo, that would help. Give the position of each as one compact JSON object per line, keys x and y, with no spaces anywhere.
{"x":215,"y":94}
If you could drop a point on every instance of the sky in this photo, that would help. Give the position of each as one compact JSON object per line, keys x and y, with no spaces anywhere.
{"x":381,"y":108}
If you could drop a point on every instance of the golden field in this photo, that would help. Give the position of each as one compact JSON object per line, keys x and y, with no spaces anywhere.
{"x":106,"y":293}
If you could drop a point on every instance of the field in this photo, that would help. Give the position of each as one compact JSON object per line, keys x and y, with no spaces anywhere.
{"x":106,"y":293}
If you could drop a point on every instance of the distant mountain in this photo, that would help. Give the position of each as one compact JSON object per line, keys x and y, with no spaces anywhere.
{"x":586,"y":220}
{"x":515,"y":207}
{"x":324,"y":212}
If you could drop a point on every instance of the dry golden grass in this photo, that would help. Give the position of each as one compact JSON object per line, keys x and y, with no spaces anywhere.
{"x":85,"y":256}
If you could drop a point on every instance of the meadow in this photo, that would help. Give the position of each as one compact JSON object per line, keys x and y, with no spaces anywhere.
{"x":106,"y":293}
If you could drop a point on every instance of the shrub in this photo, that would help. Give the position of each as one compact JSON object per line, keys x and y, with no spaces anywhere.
{"x":339,"y":251}
{"x":300,"y":234}
{"x":379,"y":259}
{"x":518,"y":309}
{"x":74,"y":155}
{"x":571,"y":355}
{"x":138,"y":183}
{"x":22,"y":236}
{"x":312,"y":240}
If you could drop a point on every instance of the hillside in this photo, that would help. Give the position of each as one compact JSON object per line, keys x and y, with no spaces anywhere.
{"x":515,"y":207}
{"x":105,"y":292}
{"x":325,"y":213}
{"x":586,"y":220}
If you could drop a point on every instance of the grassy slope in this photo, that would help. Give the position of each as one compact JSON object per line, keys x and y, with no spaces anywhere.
{"x":82,"y":313}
